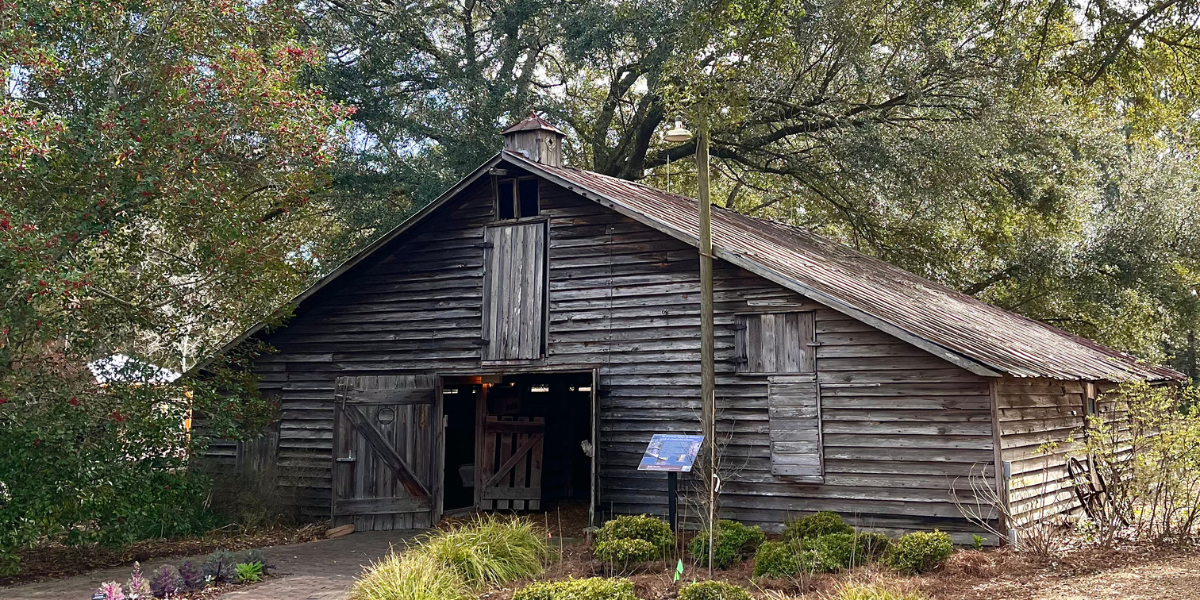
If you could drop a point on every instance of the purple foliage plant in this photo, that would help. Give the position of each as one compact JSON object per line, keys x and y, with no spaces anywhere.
{"x":110,"y":590}
{"x":193,"y":576}
{"x":138,"y":586}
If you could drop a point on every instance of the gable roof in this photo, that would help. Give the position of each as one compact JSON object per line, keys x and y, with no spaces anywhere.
{"x":961,"y":329}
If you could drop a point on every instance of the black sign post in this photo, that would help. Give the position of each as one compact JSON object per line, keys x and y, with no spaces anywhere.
{"x":673,"y":454}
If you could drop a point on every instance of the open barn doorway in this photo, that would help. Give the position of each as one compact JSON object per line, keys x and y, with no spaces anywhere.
{"x":520,"y":442}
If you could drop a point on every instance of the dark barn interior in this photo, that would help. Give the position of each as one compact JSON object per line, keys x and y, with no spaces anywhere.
{"x":489,"y":420}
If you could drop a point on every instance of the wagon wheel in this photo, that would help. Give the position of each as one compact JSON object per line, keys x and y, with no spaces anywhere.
{"x":1089,"y":497}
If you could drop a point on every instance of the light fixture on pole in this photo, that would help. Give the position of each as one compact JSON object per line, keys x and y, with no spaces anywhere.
{"x":708,"y":386}
{"x":678,"y":135}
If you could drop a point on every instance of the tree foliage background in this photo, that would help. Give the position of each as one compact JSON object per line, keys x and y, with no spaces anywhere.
{"x":172,"y":171}
{"x":1037,"y":154}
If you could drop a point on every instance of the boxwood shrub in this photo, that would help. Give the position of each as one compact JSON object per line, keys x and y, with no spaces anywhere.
{"x":641,"y":527}
{"x":624,"y":553}
{"x":734,"y":541}
{"x":593,"y":588}
{"x":713,"y":590}
{"x":822,"y":523}
{"x":919,"y":552}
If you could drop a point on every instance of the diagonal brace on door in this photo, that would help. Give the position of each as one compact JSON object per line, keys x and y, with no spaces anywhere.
{"x":512,"y":461}
{"x":385,"y":450}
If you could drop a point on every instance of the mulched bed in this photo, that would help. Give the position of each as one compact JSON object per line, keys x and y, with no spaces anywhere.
{"x":55,"y":561}
{"x":969,"y":575}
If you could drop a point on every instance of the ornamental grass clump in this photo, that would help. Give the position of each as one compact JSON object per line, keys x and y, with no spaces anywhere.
{"x":593,"y":588}
{"x":870,"y":592}
{"x":490,"y":550}
{"x":409,"y":576}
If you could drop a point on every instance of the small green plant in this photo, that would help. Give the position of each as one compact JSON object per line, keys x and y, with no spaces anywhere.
{"x":641,"y":527}
{"x":254,"y":555}
{"x":248,"y":572}
{"x":713,"y":590}
{"x":977,"y":542}
{"x":872,"y":592}
{"x":409,"y":576}
{"x":734,"y":541}
{"x":624,"y":553}
{"x":816,"y":525}
{"x":594,"y":588}
{"x":490,"y":550}
{"x":919,"y":552}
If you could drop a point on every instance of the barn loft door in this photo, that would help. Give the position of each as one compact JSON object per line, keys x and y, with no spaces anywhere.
{"x":514,"y":292}
{"x":385,"y":452}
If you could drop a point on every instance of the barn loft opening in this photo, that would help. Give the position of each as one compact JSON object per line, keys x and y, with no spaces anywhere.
{"x":517,"y":442}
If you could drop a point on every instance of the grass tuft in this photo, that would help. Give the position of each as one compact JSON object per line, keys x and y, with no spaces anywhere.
{"x":409,"y":576}
{"x":853,"y":591}
{"x":490,"y":550}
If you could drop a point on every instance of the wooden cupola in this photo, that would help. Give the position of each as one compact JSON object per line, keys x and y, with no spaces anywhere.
{"x":535,"y":139}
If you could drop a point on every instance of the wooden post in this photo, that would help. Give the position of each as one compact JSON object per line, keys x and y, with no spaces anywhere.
{"x":707,"y":360}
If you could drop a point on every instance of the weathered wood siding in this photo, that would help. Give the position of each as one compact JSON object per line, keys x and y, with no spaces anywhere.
{"x":900,"y":425}
{"x":1041,"y":424}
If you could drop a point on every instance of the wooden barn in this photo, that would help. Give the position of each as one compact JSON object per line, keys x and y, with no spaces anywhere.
{"x":516,"y":343}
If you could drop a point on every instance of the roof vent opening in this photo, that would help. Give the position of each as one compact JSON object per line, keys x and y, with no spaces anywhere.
{"x":536,"y":139}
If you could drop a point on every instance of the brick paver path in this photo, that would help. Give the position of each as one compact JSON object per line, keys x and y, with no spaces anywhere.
{"x":320,"y":570}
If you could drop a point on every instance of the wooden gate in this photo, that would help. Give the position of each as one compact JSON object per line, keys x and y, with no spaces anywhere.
{"x":512,"y":463}
{"x":385,"y":452}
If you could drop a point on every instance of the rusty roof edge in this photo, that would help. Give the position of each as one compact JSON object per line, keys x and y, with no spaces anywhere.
{"x":756,"y":267}
{"x":355,"y":259}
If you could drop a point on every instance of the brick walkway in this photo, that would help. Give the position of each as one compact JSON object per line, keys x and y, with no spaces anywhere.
{"x":313,"y":571}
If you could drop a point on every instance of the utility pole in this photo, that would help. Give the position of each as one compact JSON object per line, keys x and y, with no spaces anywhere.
{"x":708,"y":378}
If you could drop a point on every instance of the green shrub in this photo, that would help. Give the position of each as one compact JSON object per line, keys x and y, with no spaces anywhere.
{"x":873,"y":545}
{"x":822,"y":523}
{"x":781,"y":559}
{"x":873,"y":592}
{"x":713,"y":590}
{"x":642,"y":527}
{"x":490,"y":550}
{"x":594,"y":588}
{"x":734,"y":542}
{"x":410,"y":576}
{"x":623,"y":553}
{"x":919,"y":552}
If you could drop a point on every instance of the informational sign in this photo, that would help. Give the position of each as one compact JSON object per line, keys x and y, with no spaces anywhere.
{"x":670,"y":452}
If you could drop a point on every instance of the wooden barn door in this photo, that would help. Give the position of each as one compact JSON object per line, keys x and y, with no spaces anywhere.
{"x":514,"y":292}
{"x":385,"y":461}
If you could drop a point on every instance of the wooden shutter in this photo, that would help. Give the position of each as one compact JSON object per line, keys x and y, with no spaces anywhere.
{"x":385,"y":440}
{"x":795,"y":418}
{"x":514,"y":289}
{"x":776,"y":343}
